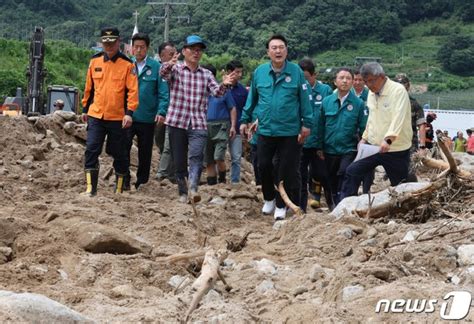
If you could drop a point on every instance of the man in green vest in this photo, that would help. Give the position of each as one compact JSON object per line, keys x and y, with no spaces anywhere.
{"x":358,"y":86}
{"x":153,"y":103}
{"x":343,"y":116}
{"x":311,"y":158}
{"x":280,"y":96}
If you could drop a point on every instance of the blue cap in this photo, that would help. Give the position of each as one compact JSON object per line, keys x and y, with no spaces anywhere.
{"x":193,"y":40}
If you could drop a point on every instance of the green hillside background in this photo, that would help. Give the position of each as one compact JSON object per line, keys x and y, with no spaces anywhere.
{"x":433,"y":41}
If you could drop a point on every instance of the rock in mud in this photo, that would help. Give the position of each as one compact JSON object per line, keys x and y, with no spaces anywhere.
{"x":265,"y":286}
{"x":466,"y":255}
{"x":350,"y":292}
{"x":97,"y":238}
{"x":35,"y":308}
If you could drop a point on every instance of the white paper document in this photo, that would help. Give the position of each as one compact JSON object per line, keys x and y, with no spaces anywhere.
{"x":366,"y":150}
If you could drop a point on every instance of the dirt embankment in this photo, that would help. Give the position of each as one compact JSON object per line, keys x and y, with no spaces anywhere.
{"x":310,"y":269}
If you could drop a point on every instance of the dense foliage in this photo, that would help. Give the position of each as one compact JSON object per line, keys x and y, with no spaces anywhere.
{"x":457,"y":54}
{"x":64,"y":62}
{"x":429,"y":40}
{"x":235,"y":27}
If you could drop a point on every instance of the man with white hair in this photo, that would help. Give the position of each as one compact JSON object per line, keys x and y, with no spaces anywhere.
{"x":388,"y":126}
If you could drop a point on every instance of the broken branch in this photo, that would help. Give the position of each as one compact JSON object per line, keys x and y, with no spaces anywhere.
{"x":284,"y":196}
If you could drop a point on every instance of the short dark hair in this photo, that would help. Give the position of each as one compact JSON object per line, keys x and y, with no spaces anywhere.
{"x":141,"y":36}
{"x":469,"y":131}
{"x":306,"y":64}
{"x":357,"y":71}
{"x":277,"y":36}
{"x":210,"y":68}
{"x":234,"y":64}
{"x":344,"y":68}
{"x":164,"y":45}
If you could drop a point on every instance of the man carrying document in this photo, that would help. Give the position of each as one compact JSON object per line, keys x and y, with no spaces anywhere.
{"x":388,"y":127}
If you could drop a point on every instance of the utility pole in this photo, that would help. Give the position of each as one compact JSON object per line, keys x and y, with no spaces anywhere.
{"x":168,"y":6}
{"x":135,"y":14}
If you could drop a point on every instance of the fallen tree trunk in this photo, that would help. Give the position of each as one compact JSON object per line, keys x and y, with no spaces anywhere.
{"x":206,"y":281}
{"x":399,"y":203}
{"x":451,"y":165}
{"x":409,"y":200}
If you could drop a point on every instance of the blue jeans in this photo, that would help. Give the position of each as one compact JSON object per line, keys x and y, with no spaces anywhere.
{"x":187,"y":144}
{"x":235,"y":147}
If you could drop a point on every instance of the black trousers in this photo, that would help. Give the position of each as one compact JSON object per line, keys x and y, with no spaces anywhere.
{"x":287,"y":169}
{"x":145,"y":136}
{"x":336,"y":166}
{"x":368,"y":181}
{"x":317,"y":172}
{"x":395,"y":164}
{"x":97,"y":130}
{"x":254,"y":158}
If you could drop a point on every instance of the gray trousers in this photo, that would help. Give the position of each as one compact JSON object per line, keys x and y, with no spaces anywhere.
{"x":166,"y":167}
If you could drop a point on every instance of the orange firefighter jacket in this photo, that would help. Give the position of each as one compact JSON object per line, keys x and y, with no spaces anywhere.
{"x":111,"y":89}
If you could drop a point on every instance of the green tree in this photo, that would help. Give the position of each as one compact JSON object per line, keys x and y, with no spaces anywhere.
{"x":457,"y":54}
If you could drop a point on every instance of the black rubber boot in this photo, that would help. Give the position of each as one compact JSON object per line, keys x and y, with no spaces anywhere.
{"x":92,"y":178}
{"x":211,"y":181}
{"x":222,"y":176}
{"x":119,"y":183}
{"x":329,"y":200}
{"x":126,"y":182}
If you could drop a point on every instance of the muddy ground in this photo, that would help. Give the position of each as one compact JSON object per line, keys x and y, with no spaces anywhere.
{"x":306,"y":269}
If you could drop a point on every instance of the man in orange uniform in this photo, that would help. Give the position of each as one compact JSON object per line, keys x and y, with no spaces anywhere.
{"x":110,"y":98}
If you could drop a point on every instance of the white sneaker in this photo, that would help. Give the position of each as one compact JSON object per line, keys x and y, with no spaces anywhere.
{"x":183,"y":199}
{"x":268,"y":207}
{"x":280,"y":213}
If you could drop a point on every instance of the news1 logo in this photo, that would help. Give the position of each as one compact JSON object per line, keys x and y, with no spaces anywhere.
{"x":455,"y":307}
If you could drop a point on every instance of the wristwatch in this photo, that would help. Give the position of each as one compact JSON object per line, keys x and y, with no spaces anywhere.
{"x":422,"y":146}
{"x":388,"y":141}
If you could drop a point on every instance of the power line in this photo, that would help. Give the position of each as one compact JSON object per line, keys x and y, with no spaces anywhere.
{"x":168,"y":8}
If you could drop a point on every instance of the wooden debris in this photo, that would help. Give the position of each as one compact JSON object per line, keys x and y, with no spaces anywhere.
{"x":242,"y":194}
{"x":284,"y":196}
{"x":444,"y":166}
{"x":433,"y":236}
{"x":182,"y":256}
{"x":236,"y":247}
{"x":399,"y":203}
{"x":452,"y":163}
{"x":207,"y":279}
